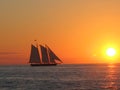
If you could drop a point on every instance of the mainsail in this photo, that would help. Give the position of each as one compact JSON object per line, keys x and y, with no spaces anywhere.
{"x":44,"y":53}
{"x":34,"y":56}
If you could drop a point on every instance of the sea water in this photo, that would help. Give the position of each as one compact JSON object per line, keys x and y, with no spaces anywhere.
{"x":61,"y":77}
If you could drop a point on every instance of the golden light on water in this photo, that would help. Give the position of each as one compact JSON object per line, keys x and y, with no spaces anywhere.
{"x":111,"y":76}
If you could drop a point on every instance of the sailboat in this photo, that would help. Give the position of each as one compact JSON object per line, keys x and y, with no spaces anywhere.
{"x":46,"y":57}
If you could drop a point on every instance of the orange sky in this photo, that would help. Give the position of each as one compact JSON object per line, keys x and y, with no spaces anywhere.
{"x":78,"y":31}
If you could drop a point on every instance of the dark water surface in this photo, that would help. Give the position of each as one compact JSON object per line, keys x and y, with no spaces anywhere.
{"x":61,"y":77}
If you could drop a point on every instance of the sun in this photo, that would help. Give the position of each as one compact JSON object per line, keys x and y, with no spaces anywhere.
{"x":111,"y":52}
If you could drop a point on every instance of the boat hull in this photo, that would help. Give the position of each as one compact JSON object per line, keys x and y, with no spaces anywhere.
{"x":43,"y":64}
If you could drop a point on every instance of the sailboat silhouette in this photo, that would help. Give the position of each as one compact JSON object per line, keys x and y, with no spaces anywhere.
{"x":48,"y":57}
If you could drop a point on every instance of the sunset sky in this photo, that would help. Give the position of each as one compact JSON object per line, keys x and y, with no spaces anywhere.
{"x":78,"y":31}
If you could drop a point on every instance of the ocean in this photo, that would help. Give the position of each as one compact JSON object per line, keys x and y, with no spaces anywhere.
{"x":61,"y":77}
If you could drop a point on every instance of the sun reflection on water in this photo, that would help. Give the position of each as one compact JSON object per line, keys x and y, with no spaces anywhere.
{"x":110,"y":79}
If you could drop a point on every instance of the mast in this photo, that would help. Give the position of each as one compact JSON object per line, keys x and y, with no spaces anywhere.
{"x":34,"y":56}
{"x":52,"y":56}
{"x":44,"y":53}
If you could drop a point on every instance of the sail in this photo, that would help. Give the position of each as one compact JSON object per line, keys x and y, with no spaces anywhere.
{"x":52,"y":60}
{"x":44,"y":53}
{"x":52,"y":56}
{"x":34,"y":56}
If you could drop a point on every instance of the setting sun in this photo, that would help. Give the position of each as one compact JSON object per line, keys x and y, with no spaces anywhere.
{"x":111,"y":52}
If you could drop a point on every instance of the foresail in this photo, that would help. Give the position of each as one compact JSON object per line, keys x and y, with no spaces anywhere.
{"x":52,"y":56}
{"x":44,"y":54}
{"x":34,"y":56}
